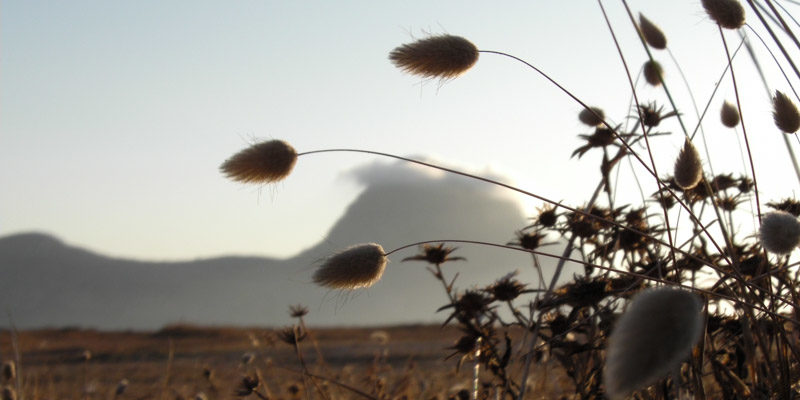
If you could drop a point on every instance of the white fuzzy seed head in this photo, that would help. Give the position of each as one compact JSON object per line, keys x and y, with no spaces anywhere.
{"x":359,"y":266}
{"x":688,"y":167}
{"x":654,"y":336}
{"x":780,"y":232}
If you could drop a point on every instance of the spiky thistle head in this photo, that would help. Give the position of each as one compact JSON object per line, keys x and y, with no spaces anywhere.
{"x":727,"y":13}
{"x":440,"y":56}
{"x":688,"y":167}
{"x":779,"y":232}
{"x":653,"y":73}
{"x":785,"y":113}
{"x":263,"y":162}
{"x":591,"y":116}
{"x":652,"y":34}
{"x":729,"y":115}
{"x":651,"y":339}
{"x":355,"y":267}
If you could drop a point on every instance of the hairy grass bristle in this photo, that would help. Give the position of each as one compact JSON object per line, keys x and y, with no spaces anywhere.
{"x":779,"y":232}
{"x":785,"y":113}
{"x":652,"y":34}
{"x":653,"y":73}
{"x":688,"y":167}
{"x":729,"y":115}
{"x":356,"y":267}
{"x":727,"y":13}
{"x":651,"y":339}
{"x":264,"y":162}
{"x":440,"y":56}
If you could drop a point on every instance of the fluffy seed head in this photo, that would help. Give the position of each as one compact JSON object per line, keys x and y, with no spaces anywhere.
{"x":729,"y":115}
{"x":356,"y":267}
{"x":688,"y":167}
{"x":785,"y":113}
{"x":651,"y":339}
{"x":653,"y":73}
{"x":441,"y":56}
{"x":652,"y":34}
{"x":591,"y":118}
{"x":780,"y":232}
{"x":263,"y":162}
{"x":727,"y":13}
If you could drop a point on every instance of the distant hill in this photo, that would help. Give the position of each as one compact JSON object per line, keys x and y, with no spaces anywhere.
{"x":47,"y":283}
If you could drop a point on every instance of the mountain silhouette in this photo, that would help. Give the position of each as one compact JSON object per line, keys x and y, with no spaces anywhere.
{"x":45,"y":282}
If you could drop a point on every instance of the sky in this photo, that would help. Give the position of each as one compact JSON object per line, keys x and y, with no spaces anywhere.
{"x":115,"y":116}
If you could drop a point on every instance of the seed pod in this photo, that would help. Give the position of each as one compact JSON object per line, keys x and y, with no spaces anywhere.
{"x":780,"y":232}
{"x":442,"y":56}
{"x":653,"y":73}
{"x":591,"y":116}
{"x":727,"y":13}
{"x":651,"y":339}
{"x":652,"y":34}
{"x":785,"y":113}
{"x":729,"y":115}
{"x":263,"y":162}
{"x":356,"y":267}
{"x":688,"y":167}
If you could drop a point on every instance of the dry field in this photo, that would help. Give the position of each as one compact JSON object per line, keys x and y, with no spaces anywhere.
{"x":186,"y":362}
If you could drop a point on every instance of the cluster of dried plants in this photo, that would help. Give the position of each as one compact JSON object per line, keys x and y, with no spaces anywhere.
{"x":675,"y":299}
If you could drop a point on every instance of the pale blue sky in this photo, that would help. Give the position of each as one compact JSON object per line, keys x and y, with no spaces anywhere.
{"x":114,"y":116}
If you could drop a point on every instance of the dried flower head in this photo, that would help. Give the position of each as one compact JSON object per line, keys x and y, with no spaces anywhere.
{"x":356,"y":267}
{"x":436,"y":255}
{"x":727,"y":13}
{"x":688,"y":167}
{"x":729,"y":115}
{"x":441,"y":56}
{"x":788,"y":204}
{"x":780,"y":232}
{"x":785,"y":113}
{"x":263,"y":162}
{"x":292,"y":335}
{"x":591,"y":116}
{"x":652,"y":34}
{"x":652,"y":338}
{"x":653,"y":73}
{"x":298,"y":311}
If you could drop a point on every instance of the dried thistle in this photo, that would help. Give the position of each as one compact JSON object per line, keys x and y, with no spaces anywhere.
{"x":298,"y":311}
{"x":785,"y":113}
{"x":263,"y":162}
{"x":729,"y":115}
{"x":436,"y":255}
{"x":292,"y":335}
{"x":591,"y":116}
{"x":651,"y":339}
{"x":688,"y":167}
{"x":780,"y":232}
{"x":727,"y":13}
{"x":653,"y":73}
{"x":441,"y":56}
{"x":652,"y":34}
{"x":356,"y":267}
{"x":789,"y":205}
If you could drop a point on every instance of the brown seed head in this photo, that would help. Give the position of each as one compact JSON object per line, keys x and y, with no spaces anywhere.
{"x":591,"y":116}
{"x":9,"y":371}
{"x":356,"y":267}
{"x":780,"y":232}
{"x":8,"y":393}
{"x":729,"y":115}
{"x":688,"y":167}
{"x":785,"y":113}
{"x":441,"y":56}
{"x":651,"y":339}
{"x":652,"y":34}
{"x":653,"y":73}
{"x":727,"y":13}
{"x":263,"y":162}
